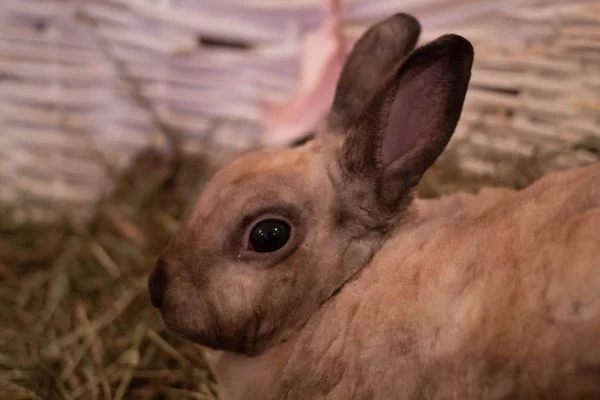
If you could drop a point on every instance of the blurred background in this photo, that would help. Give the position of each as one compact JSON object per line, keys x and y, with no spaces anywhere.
{"x":114,"y":113}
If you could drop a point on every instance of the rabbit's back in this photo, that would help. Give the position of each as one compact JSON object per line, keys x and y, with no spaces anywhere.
{"x":506,"y":296}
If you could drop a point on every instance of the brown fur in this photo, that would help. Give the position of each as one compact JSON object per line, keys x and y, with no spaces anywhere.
{"x":377,"y":296}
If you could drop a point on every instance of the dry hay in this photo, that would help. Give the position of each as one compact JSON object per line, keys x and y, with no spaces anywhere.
{"x":77,"y":322}
{"x":76,"y":318}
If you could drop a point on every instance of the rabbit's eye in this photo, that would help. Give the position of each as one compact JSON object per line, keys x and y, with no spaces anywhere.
{"x":269,"y":235}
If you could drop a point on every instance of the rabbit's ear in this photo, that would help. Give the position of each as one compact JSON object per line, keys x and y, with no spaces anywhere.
{"x":372,"y":58}
{"x":409,"y":121}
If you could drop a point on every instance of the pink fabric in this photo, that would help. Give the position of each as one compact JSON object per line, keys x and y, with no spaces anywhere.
{"x":323,"y":55}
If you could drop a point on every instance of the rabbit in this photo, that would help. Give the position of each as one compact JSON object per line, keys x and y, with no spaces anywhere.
{"x":313,"y":273}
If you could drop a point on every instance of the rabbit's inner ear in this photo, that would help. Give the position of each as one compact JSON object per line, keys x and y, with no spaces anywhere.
{"x":372,"y":58}
{"x":409,"y":122}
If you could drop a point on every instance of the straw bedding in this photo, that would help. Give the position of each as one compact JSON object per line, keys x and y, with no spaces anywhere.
{"x":77,"y":322}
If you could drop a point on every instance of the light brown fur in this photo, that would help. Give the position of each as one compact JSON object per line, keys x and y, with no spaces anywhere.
{"x":377,"y":296}
{"x":494,"y":300}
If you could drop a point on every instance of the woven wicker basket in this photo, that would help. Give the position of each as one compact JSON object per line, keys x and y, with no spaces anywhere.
{"x":85,"y":84}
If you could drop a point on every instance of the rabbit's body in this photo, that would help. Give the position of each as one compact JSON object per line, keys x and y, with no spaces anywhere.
{"x":319,"y":277}
{"x":499,"y":299}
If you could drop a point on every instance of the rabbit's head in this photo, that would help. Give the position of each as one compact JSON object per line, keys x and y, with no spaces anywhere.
{"x":276,"y":234}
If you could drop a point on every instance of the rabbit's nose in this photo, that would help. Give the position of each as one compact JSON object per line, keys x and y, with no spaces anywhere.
{"x":157,"y":283}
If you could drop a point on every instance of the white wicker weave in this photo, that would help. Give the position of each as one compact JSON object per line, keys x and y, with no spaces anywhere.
{"x":74,"y":73}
